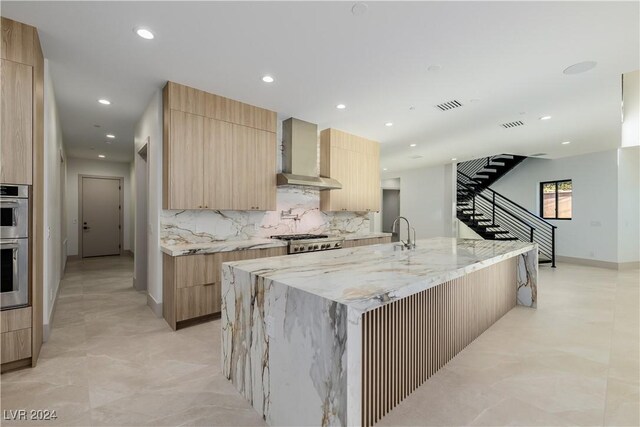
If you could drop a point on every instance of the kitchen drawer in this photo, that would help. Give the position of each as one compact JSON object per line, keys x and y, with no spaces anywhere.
{"x":16,"y":345}
{"x":195,"y":270}
{"x":13,"y":320}
{"x":196,"y":301}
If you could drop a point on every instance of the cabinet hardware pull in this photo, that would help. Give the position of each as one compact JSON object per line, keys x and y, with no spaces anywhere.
{"x":209,"y":284}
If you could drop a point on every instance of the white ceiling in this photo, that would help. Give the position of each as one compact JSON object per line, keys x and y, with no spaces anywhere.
{"x":507,"y":55}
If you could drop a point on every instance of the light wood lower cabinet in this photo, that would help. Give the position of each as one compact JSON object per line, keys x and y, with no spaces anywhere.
{"x":16,"y":345}
{"x":15,"y":326}
{"x":366,"y":242}
{"x":192,"y":284}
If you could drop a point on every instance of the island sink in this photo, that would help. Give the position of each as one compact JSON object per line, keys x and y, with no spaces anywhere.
{"x":342,"y":337}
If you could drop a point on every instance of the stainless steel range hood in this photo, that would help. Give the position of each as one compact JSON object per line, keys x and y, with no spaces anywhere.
{"x":300,"y":156}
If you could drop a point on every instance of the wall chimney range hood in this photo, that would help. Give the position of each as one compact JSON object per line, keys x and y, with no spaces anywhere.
{"x":300,"y":156}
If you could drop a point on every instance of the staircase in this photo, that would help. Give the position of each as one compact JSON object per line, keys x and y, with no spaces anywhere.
{"x":487,"y":170}
{"x":492,"y":215}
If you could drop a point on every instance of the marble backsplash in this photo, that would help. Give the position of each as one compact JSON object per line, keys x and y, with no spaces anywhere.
{"x":298,"y":211}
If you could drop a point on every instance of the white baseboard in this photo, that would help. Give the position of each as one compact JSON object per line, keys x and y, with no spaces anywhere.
{"x":155,"y":306}
{"x":597,"y":263}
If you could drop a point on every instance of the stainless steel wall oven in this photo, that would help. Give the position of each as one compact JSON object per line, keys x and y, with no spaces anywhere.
{"x":14,"y":246}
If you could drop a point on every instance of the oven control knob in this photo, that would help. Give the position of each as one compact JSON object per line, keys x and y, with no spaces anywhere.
{"x":337,"y":245}
{"x":315,"y":246}
{"x":310,"y":247}
{"x":295,"y":249}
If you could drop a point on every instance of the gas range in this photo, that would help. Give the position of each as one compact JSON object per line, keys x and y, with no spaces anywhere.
{"x":299,"y":243}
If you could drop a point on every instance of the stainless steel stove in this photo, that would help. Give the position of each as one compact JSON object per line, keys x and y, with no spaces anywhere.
{"x":299,"y":243}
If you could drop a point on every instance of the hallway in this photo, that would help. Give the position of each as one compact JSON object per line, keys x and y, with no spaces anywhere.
{"x":110,"y":361}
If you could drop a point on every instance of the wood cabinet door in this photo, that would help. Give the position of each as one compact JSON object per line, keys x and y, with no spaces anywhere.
{"x":265,"y":172}
{"x":195,"y":270}
{"x":218,"y":164}
{"x":341,"y":169}
{"x":186,"y":149}
{"x":254,"y":166}
{"x":243,"y":168}
{"x":16,"y":122}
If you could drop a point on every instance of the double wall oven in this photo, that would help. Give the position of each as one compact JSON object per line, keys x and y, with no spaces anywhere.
{"x":14,"y":246}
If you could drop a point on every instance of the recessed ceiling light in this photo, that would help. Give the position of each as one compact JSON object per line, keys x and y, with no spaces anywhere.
{"x":388,"y":124}
{"x":104,"y":101}
{"x":545,"y":117}
{"x":110,"y":136}
{"x":384,"y":169}
{"x":412,"y":145}
{"x":267,"y":79}
{"x":145,"y":33}
{"x":566,"y":142}
{"x":453,"y":159}
{"x":102,"y":156}
{"x":580,"y":67}
{"x":341,"y":106}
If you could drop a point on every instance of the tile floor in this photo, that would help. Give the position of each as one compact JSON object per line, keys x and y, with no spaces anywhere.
{"x":110,"y":361}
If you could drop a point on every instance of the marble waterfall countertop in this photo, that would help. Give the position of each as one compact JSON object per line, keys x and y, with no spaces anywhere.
{"x":179,"y":249}
{"x":366,"y":277}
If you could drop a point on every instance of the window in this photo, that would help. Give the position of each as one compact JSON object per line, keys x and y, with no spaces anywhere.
{"x":555,"y":199}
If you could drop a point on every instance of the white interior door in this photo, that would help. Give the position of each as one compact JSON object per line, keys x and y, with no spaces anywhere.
{"x":100,"y":216}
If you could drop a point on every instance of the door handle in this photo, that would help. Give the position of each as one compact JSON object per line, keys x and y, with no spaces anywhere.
{"x":86,"y":228}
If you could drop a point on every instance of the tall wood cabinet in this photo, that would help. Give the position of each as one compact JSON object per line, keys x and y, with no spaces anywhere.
{"x":355,"y":162}
{"x":218,"y":153}
{"x":16,"y":108}
{"x":22,"y":162}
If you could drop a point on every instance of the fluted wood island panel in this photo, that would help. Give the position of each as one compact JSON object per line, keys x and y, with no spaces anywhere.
{"x":341,"y":337}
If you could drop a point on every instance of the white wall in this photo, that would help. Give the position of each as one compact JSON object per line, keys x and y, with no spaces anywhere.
{"x":592,"y":233}
{"x":631,"y":103}
{"x":629,"y":204}
{"x":54,"y":178}
{"x":132,"y":212}
{"x":150,"y":126}
{"x":97,"y":167}
{"x":426,"y":200}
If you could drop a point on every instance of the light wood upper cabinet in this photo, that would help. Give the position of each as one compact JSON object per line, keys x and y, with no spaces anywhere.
{"x":232,"y":163}
{"x":218,"y":158}
{"x":185,"y":160}
{"x":254,"y":181}
{"x":355,"y":162}
{"x":16,"y":136}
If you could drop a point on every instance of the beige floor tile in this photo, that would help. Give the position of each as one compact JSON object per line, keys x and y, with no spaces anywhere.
{"x":110,"y":361}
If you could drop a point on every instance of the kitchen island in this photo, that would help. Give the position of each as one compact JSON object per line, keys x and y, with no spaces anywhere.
{"x":341,"y":337}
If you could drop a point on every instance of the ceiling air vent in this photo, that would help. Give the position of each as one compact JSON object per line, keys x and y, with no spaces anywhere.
{"x":449,"y":105}
{"x":512,"y":124}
